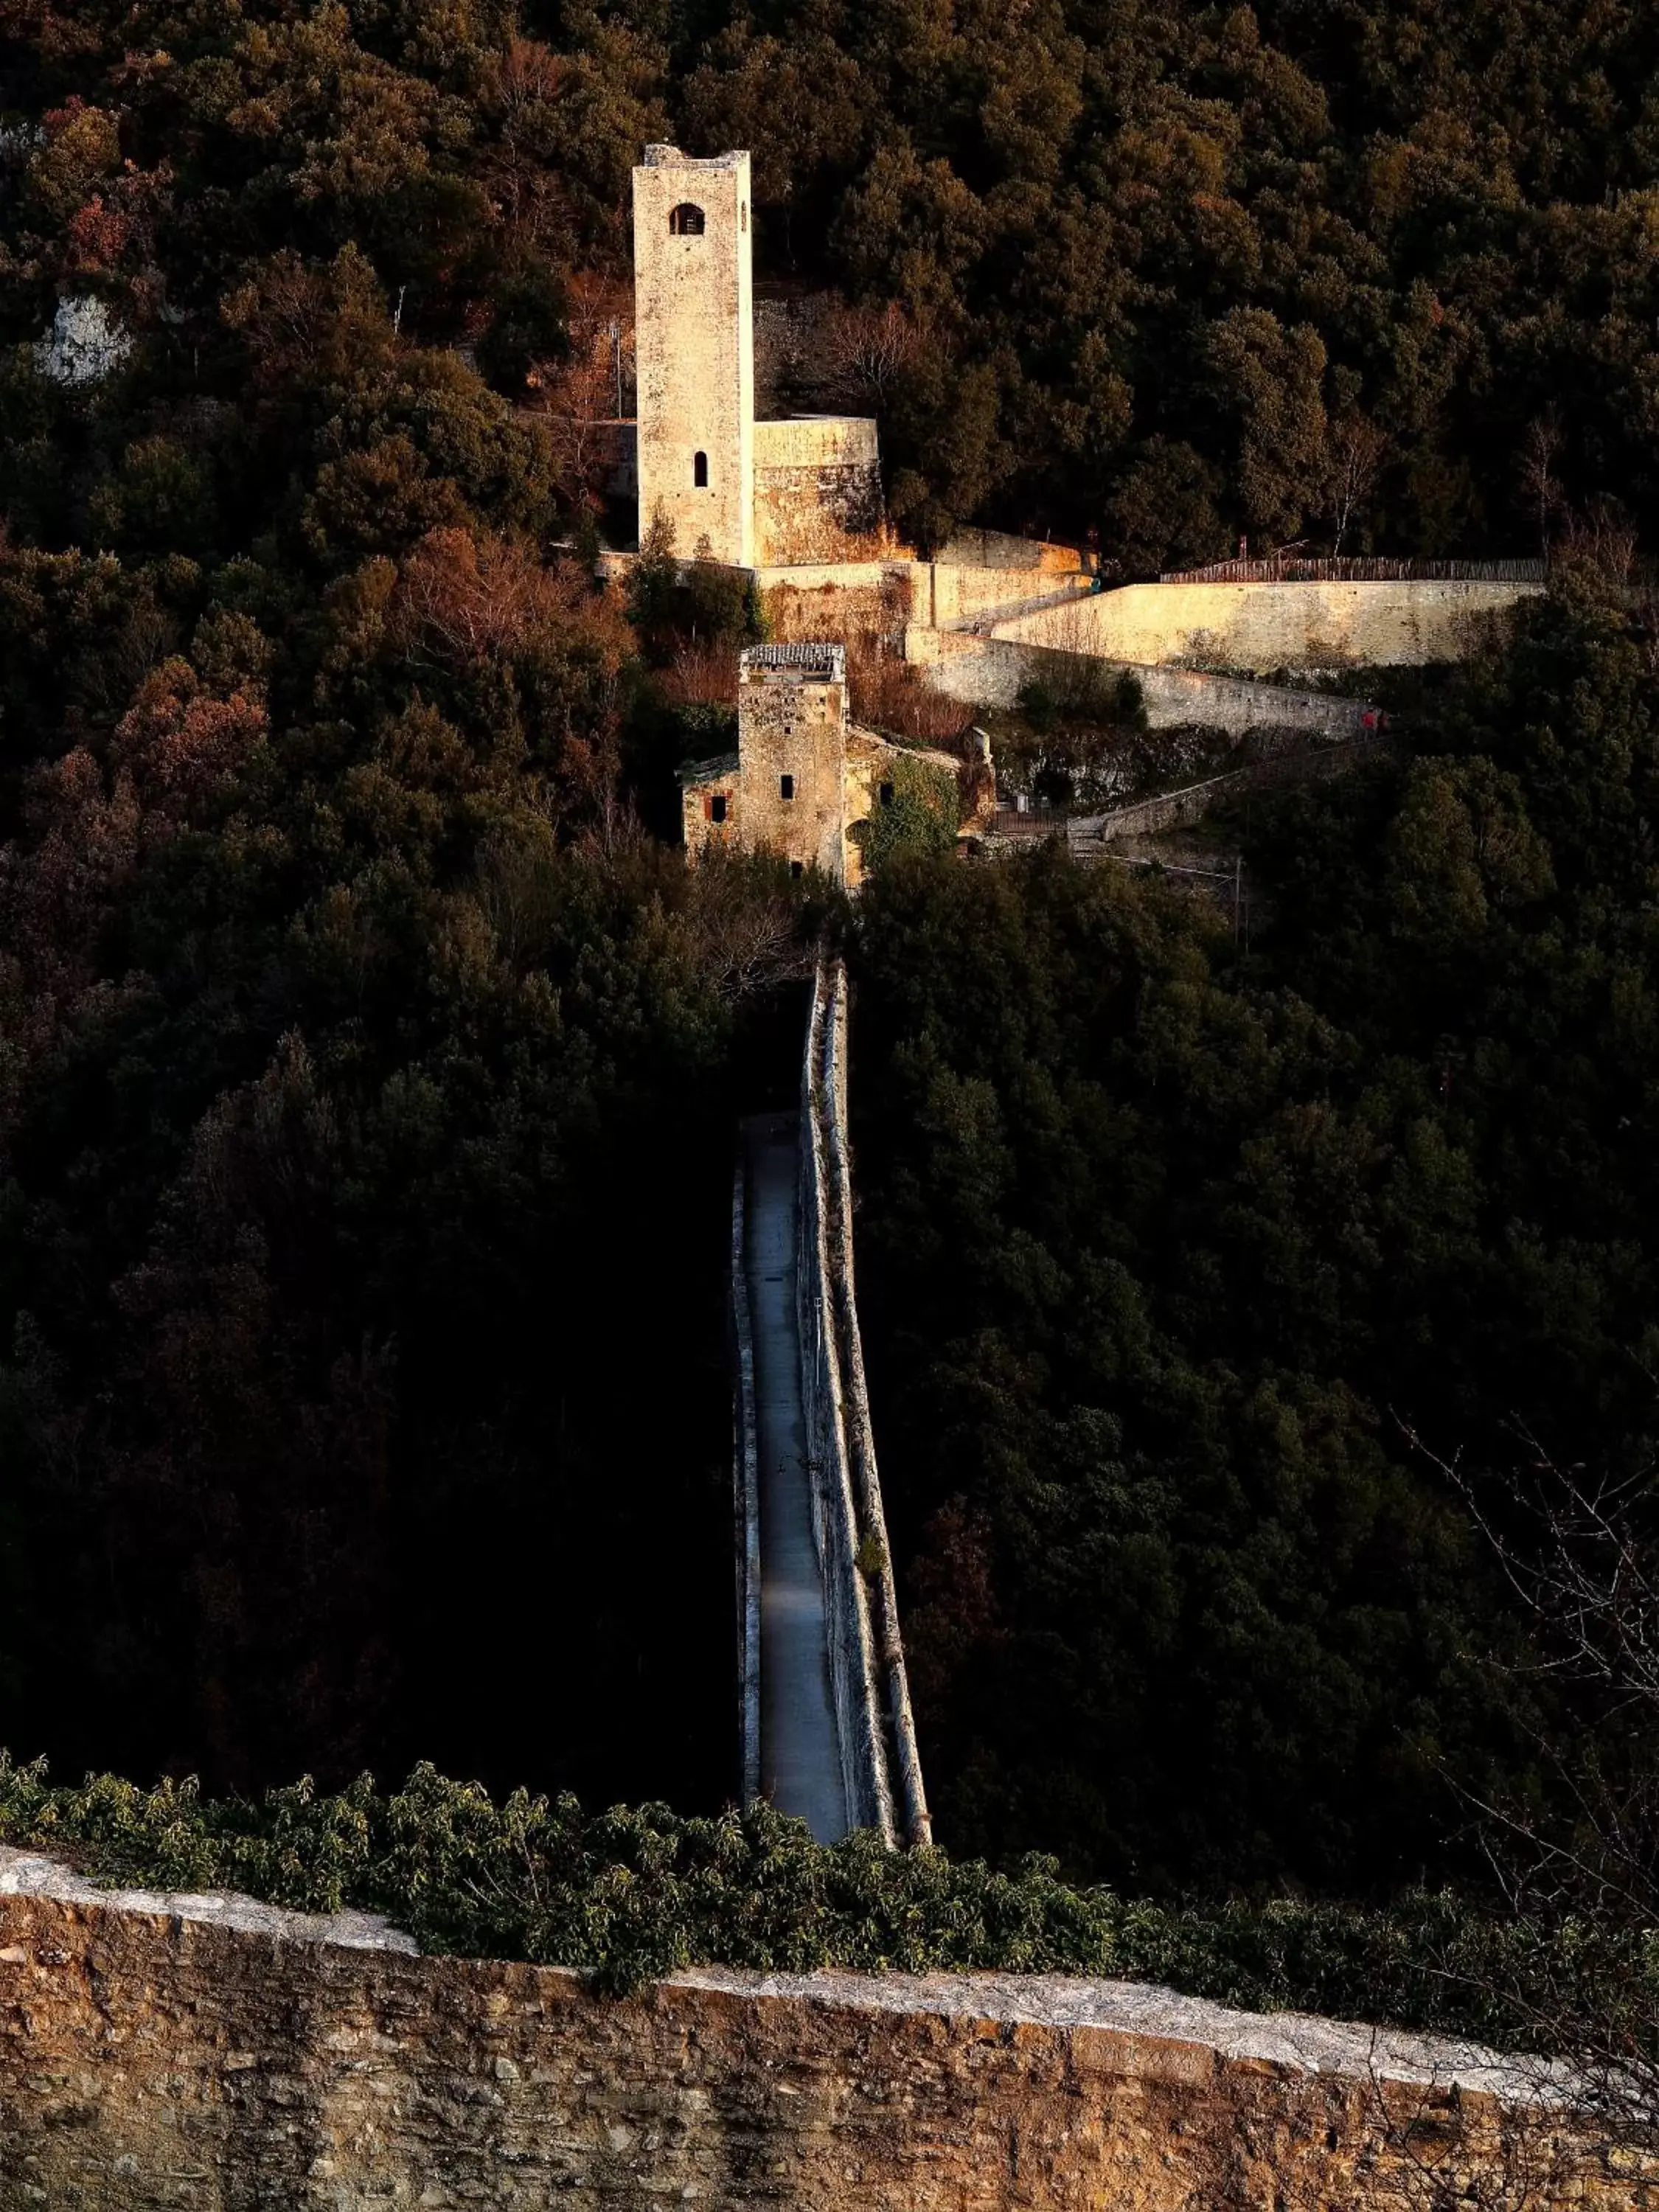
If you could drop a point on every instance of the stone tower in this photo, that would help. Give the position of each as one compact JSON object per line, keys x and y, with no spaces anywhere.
{"x":693,"y":322}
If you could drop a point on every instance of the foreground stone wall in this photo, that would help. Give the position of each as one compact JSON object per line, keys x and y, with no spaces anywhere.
{"x":846,"y":601}
{"x":212,"y":2056}
{"x":1263,"y":627}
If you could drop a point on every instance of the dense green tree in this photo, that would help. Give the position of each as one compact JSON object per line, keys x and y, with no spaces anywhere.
{"x":1169,"y":1250}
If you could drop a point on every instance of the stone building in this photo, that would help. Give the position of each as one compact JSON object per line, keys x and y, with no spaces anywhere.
{"x":751,"y":494}
{"x":803,"y":778}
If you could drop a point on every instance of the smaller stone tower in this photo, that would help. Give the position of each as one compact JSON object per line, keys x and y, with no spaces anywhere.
{"x":804,"y":783}
{"x":693,"y":319}
{"x":785,"y":791}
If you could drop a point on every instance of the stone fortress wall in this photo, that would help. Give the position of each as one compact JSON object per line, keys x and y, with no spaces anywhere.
{"x":817,"y":489}
{"x":1260,"y":628}
{"x":206,"y":2054}
{"x":798,"y":499}
{"x":992,"y":672}
{"x":960,"y":619}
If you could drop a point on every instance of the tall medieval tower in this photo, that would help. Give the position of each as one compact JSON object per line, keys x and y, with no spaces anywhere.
{"x":694,"y":347}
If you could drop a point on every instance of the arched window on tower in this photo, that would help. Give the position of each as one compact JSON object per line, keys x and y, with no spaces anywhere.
{"x":700,"y":471}
{"x":685,"y":220}
{"x":742,"y":216}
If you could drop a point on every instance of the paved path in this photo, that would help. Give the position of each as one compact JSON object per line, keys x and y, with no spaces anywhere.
{"x":800,"y":1751}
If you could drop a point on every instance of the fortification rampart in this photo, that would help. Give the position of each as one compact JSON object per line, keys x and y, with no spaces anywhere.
{"x":880,"y":1764}
{"x":847,"y":598}
{"x":206,"y":2054}
{"x":993,"y":672}
{"x":1260,"y":628}
{"x":817,"y":491}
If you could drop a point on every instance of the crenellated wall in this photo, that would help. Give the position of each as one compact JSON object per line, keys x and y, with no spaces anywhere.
{"x":191,"y":2054}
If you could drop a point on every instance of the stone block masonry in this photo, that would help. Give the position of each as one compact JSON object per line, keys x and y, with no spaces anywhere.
{"x":993,"y":672}
{"x":817,"y":491}
{"x":188,"y":2054}
{"x":1263,"y":628}
{"x":694,"y":347}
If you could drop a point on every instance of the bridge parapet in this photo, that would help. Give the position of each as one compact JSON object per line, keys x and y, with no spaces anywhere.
{"x":881,"y":1766}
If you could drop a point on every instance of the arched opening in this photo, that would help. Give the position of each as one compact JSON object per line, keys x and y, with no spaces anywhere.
{"x":700,"y":471}
{"x":743,"y":215}
{"x":685,"y":220}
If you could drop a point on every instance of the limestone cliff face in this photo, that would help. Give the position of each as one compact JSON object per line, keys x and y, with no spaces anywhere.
{"x":206,"y":2053}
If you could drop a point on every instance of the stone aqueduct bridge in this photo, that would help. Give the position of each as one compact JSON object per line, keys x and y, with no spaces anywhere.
{"x":169,"y":2053}
{"x":827,"y":1727}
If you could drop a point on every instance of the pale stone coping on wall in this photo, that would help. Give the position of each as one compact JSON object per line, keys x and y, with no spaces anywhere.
{"x":1299,"y":2042}
{"x":811,"y":442}
{"x":32,"y":1874}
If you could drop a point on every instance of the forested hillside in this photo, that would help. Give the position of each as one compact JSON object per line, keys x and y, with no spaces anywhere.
{"x":1183,"y":1261}
{"x":368,"y":1066}
{"x":1382,"y":269}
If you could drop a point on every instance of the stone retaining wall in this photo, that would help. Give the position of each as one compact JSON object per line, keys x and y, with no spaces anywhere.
{"x":1261,"y":628}
{"x":993,"y":672}
{"x":179,"y":2054}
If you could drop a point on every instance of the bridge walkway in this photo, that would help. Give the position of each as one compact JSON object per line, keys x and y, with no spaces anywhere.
{"x":799,"y":1747}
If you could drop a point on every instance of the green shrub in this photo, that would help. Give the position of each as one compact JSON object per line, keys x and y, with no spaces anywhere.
{"x":921,"y":815}
{"x":637,"y":1892}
